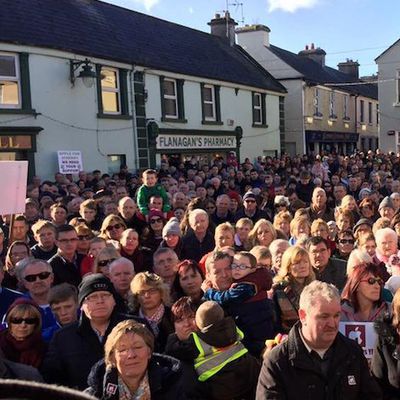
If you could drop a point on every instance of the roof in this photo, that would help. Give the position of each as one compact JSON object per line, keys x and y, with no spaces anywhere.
{"x":392,"y":45}
{"x":315,"y":73}
{"x":96,"y":29}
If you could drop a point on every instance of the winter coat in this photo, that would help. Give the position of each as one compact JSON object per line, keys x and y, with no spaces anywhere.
{"x":165,"y":380}
{"x":290,"y":373}
{"x":385,"y":364}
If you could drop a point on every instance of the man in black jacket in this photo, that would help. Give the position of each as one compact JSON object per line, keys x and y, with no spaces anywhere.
{"x":316,"y":361}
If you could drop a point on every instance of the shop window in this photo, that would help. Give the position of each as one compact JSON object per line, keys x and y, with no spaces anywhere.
{"x":114,"y":162}
{"x":112,"y":92}
{"x":172,"y":104}
{"x":259,"y":110}
{"x":210,"y":104}
{"x":14,"y":83}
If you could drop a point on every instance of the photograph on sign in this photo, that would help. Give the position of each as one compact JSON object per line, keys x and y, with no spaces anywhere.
{"x":13,"y":180}
{"x":69,"y":161}
{"x":361,"y":332}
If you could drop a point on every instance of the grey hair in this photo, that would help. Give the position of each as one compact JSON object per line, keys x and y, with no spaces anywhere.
{"x":356,"y":257}
{"x":381,"y":232}
{"x":317,"y":290}
{"x":25,"y":263}
{"x":164,"y":250}
{"x":119,"y":261}
{"x":273,"y":247}
{"x":194,"y":213}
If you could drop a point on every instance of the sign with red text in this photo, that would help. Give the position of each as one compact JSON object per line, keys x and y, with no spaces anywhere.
{"x":70,"y":161}
{"x":361,"y":332}
{"x":13,"y":179}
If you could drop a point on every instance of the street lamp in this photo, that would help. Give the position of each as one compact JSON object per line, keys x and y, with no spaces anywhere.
{"x":86,"y":73}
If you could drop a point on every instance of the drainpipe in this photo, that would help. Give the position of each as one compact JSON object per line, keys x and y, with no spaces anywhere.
{"x":356,"y":116}
{"x":134,"y":126}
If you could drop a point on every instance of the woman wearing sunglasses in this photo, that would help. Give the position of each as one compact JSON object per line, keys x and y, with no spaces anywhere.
{"x":104,"y":259}
{"x":22,"y":342}
{"x":152,"y":235}
{"x":112,"y":227}
{"x":362,"y":299}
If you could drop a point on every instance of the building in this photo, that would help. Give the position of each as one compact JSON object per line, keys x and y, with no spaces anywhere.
{"x":126,"y":88}
{"x":389,"y":97}
{"x":325,"y":109}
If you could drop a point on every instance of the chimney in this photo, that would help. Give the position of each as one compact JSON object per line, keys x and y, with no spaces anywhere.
{"x":315,"y":54}
{"x":253,"y":35}
{"x":223,"y":27}
{"x":349,"y":67}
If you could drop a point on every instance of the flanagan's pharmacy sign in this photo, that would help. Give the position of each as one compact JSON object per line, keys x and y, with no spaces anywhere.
{"x":180,"y":142}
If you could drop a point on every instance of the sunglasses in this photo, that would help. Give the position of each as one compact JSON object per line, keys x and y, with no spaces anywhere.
{"x":28,"y":321}
{"x":104,"y":263}
{"x":242,"y":267}
{"x":372,"y":281}
{"x":250,"y":201}
{"x":155,"y":220}
{"x":42,"y":276}
{"x":111,"y":227}
{"x":346,"y":241}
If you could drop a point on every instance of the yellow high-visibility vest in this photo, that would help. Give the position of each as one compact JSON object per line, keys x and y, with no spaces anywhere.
{"x":211,"y":360}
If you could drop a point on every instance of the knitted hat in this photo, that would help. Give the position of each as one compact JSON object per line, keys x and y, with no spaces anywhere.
{"x":171,"y":228}
{"x":249,"y":195}
{"x":94,"y":283}
{"x":281,"y":200}
{"x":386,"y":202}
{"x":364,"y":191}
{"x":208,"y":314}
{"x":155,"y":213}
{"x":22,"y":300}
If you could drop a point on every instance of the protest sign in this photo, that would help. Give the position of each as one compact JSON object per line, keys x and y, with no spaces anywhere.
{"x":362,"y":332}
{"x":70,"y":161}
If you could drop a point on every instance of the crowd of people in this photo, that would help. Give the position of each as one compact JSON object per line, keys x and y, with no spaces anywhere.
{"x":221,"y":281}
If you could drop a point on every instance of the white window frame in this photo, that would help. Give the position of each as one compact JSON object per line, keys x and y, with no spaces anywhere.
{"x":173,"y":97}
{"x":346,"y":101}
{"x":112,"y":90}
{"x":212,"y":102}
{"x":259,"y":107}
{"x":16,"y":79}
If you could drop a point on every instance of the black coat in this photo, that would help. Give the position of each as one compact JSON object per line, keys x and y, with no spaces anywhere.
{"x":165,"y":379}
{"x":65,"y":271}
{"x":290,"y":373}
{"x":385,"y":365}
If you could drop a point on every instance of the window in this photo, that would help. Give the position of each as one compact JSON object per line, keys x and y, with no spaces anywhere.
{"x":332,"y":106}
{"x":377,"y":114}
{"x":210,"y":104}
{"x":10,"y":96}
{"x":397,"y":101}
{"x":259,"y":110}
{"x":346,"y":108}
{"x":114,"y":162}
{"x":362,"y":111}
{"x":370,"y":113}
{"x":172,"y":107}
{"x":112,"y":92}
{"x":317,"y":111}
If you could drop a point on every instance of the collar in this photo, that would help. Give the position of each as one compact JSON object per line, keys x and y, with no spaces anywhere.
{"x":320,"y":352}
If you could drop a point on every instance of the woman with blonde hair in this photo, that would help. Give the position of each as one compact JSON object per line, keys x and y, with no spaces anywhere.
{"x":349,"y":203}
{"x":112,"y":227}
{"x":293,"y":276}
{"x":299,"y":226}
{"x":263,"y":233}
{"x":151,"y":300}
{"x":282,"y":222}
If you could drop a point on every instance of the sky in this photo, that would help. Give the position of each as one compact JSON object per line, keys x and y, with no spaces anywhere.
{"x":345,"y":29}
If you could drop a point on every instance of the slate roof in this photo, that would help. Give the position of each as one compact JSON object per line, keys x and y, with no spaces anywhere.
{"x":96,"y":29}
{"x":313,"y":72}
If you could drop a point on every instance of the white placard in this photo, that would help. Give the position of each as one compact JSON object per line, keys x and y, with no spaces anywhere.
{"x":70,"y":161}
{"x":13,"y":179}
{"x":363,"y":333}
{"x":165,"y":142}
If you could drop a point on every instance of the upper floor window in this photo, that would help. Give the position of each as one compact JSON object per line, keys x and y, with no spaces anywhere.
{"x":370,"y":112}
{"x":112,"y":91}
{"x":346,"y":107}
{"x":377,"y":113}
{"x":332,"y":105}
{"x":259,"y":110}
{"x":398,"y":86}
{"x":362,"y":119}
{"x":10,"y":84}
{"x":210,"y":102}
{"x":317,"y":109}
{"x":172,"y":106}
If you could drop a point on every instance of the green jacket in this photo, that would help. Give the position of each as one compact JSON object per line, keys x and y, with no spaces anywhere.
{"x":143,"y":196}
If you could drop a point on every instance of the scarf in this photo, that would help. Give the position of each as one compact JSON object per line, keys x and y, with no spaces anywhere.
{"x":142,"y":392}
{"x":154,"y":319}
{"x":29,"y":351}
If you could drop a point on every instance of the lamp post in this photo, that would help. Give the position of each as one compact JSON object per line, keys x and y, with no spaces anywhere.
{"x":86,"y":73}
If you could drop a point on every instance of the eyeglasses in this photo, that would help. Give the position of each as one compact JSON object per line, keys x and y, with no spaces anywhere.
{"x":372,"y":281}
{"x":346,"y":241}
{"x":28,"y":321}
{"x":98,"y":296}
{"x":84,"y":237}
{"x":42,"y":276}
{"x":155,"y":220}
{"x":242,"y":267}
{"x":104,"y":263}
{"x":72,"y":240}
{"x":111,"y":227}
{"x":150,"y":292}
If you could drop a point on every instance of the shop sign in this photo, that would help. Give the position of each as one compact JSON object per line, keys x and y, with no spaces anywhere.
{"x":180,"y":142}
{"x":363,"y":333}
{"x":70,"y":161}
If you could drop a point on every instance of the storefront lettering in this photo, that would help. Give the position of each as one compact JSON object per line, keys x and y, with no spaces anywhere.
{"x":187,"y":142}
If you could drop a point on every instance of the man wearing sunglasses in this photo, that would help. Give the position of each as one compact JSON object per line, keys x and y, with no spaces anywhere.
{"x":66,"y":263}
{"x":37,"y":277}
{"x":250,"y":208}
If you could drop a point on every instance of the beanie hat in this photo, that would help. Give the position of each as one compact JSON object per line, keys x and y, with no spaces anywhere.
{"x":171,"y":228}
{"x":364,"y":191}
{"x":281,"y":200}
{"x":208,"y":314}
{"x":362,"y":221}
{"x":249,"y":195}
{"x":22,"y":300}
{"x":386,"y":202}
{"x":94,"y":283}
{"x":155,"y":213}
